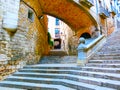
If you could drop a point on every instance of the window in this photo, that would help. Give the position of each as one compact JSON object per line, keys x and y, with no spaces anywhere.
{"x":31,"y":15}
{"x":57,"y":32}
{"x":57,"y":21}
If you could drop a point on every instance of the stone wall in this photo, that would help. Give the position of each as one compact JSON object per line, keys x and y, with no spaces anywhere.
{"x":26,"y":45}
{"x":28,"y":40}
{"x":110,"y":25}
{"x":4,"y":37}
{"x":73,"y":44}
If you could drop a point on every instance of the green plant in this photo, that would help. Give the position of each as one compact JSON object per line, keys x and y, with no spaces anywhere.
{"x":50,"y":42}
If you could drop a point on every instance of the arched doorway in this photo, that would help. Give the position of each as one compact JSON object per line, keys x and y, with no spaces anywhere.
{"x":86,"y":35}
{"x":57,"y":43}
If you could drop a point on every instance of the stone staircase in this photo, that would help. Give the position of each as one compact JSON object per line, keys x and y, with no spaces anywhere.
{"x":96,"y":75}
{"x":102,"y":72}
{"x":111,"y":50}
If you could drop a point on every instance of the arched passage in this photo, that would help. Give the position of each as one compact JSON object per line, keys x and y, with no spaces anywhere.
{"x":86,"y":35}
{"x":73,"y":14}
{"x":67,"y":10}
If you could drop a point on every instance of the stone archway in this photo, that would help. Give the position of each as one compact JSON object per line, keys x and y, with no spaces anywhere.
{"x":70,"y":12}
{"x":67,"y":10}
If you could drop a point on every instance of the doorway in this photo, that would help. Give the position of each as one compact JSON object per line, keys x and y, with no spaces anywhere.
{"x":57,"y":43}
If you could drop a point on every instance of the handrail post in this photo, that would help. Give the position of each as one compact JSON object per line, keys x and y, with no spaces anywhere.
{"x":81,"y":52}
{"x":86,"y":51}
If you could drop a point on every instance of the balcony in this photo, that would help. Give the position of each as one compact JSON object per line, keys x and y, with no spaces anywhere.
{"x":104,"y":12}
{"x":113,"y":11}
{"x":87,"y":3}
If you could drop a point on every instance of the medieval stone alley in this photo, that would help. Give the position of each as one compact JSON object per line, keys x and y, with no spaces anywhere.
{"x":59,"y":45}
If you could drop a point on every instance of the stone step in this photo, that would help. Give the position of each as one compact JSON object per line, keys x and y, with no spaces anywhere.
{"x":104,"y":61}
{"x":53,"y":66}
{"x":33,"y":86}
{"x":57,"y":52}
{"x":105,"y":57}
{"x":7,"y":88}
{"x":52,"y":78}
{"x":102,"y":69}
{"x":58,"y":59}
{"x":72,"y":84}
{"x":110,"y":76}
{"x":111,"y":48}
{"x":103,"y":65}
{"x":74,"y":67}
{"x":107,"y":54}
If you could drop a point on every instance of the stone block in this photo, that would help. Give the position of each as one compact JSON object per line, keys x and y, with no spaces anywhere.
{"x":3,"y":57}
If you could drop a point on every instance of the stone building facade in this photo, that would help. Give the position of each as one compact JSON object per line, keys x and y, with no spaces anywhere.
{"x":60,"y":32}
{"x":27,"y":42}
